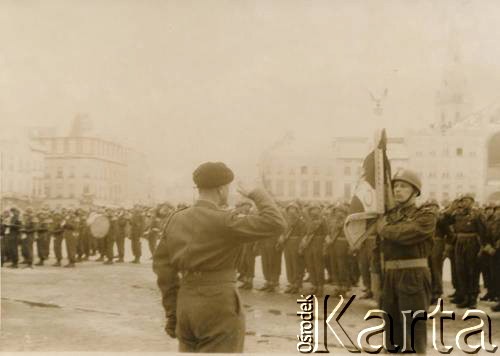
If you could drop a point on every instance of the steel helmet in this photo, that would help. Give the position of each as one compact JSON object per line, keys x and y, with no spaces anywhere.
{"x":431,"y":202}
{"x":410,"y":177}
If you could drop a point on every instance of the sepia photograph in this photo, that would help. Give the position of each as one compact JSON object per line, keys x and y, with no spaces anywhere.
{"x":249,"y":176}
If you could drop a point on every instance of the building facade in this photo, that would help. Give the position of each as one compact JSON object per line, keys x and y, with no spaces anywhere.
{"x":87,"y":170}
{"x":461,"y":159}
{"x":21,"y":173}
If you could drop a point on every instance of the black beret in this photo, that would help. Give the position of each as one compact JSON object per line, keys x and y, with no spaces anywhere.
{"x":212,"y":175}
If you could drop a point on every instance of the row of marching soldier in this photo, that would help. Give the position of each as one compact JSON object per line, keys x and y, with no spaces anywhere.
{"x":23,"y":231}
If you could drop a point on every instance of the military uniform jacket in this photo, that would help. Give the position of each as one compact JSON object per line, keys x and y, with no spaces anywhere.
{"x":407,"y":235}
{"x":204,"y":238}
{"x":469,"y":221}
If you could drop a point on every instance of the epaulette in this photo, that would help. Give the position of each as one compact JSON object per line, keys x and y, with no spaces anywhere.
{"x":168,"y":219}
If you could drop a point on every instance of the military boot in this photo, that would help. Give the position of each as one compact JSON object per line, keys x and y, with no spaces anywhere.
{"x":40,"y":263}
{"x":465,"y":303}
{"x":57,"y":264}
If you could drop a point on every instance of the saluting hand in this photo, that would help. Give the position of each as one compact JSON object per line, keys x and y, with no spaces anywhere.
{"x":243,"y":189}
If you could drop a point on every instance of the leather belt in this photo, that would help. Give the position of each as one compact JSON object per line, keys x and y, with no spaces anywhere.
{"x":208,"y":277}
{"x":410,"y":263}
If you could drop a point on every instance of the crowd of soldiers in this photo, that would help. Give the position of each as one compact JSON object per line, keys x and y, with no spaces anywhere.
{"x":316,"y":250}
{"x":23,"y":231}
{"x":314,"y":247}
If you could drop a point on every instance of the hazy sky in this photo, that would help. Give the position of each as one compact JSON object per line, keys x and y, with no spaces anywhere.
{"x":189,"y":81}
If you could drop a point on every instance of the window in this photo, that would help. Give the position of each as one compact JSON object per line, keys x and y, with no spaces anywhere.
{"x":303,"y":170}
{"x":86,"y":189}
{"x":316,"y":171}
{"x":432,"y":175}
{"x":460,"y":175}
{"x":445,"y":175}
{"x":347,"y":170}
{"x":329,"y":171}
{"x":66,"y":146}
{"x":316,"y":188}
{"x":59,"y":172}
{"x":46,"y":189}
{"x":291,"y":188}
{"x":71,"y":172}
{"x":329,"y":188}
{"x":304,"y":188}
{"x":419,"y":153}
{"x":460,"y":152}
{"x":53,"y":146}
{"x":291,"y":172}
{"x":472,"y":154}
{"x":432,"y":153}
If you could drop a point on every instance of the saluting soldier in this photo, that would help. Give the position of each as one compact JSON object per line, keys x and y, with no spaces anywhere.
{"x":294,"y":262}
{"x":312,"y":247}
{"x":405,"y":240}
{"x":450,"y":243}
{"x":3,"y":239}
{"x":12,"y":227}
{"x":246,"y":264}
{"x":121,"y":234}
{"x":136,"y":231}
{"x":43,"y":237}
{"x":437,"y":255}
{"x":484,"y":255}
{"x":70,"y":235}
{"x":153,"y":230}
{"x":83,"y":247}
{"x":202,"y":243}
{"x":337,"y":249}
{"x":470,"y":233}
{"x":27,"y":231}
{"x":493,"y":231}
{"x":109,"y":239}
{"x":270,"y":256}
{"x":56,"y":229}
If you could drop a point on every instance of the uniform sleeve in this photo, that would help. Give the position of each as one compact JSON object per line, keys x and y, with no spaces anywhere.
{"x":411,"y":232}
{"x":268,"y":221}
{"x":167,"y":279}
{"x":481,"y":230}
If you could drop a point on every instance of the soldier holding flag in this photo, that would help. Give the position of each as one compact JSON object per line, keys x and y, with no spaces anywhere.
{"x":401,"y":278}
{"x":405,"y":239}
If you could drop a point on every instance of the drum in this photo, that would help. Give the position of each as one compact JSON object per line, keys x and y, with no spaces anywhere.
{"x":99,"y":225}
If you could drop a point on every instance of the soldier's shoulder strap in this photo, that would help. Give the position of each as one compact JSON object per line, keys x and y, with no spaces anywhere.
{"x":167,"y":222}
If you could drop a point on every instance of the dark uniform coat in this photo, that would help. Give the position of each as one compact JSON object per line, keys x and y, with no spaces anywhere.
{"x":407,"y":236}
{"x":202,"y":244}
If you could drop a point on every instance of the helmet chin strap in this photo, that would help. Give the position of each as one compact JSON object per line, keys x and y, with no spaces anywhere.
{"x":413,"y":193}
